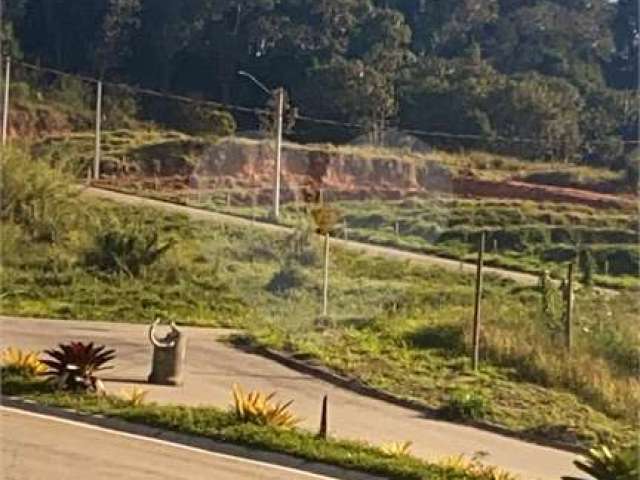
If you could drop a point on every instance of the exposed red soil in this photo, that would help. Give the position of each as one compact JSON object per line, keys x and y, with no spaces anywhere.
{"x":242,"y":167}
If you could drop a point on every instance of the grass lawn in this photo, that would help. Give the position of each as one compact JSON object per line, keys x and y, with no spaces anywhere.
{"x":521,"y":235}
{"x":393,"y":324}
{"x":223,"y":426}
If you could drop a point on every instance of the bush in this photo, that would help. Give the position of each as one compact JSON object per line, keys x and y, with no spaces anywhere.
{"x":463,"y":404}
{"x":586,"y":264}
{"x":194,"y":118}
{"x":126,"y":250}
{"x":36,"y":196}
{"x":290,"y":276}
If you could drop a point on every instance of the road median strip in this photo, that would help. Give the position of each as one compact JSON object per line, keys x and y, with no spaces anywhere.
{"x":215,"y":430}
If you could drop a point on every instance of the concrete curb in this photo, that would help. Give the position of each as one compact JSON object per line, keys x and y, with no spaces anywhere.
{"x":355,"y":385}
{"x":202,"y":443}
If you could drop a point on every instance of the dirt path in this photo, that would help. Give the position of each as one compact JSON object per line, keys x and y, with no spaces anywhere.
{"x":199,"y":214}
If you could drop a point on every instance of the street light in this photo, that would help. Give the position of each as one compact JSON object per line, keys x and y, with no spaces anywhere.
{"x":278,"y":140}
{"x":255,"y":80}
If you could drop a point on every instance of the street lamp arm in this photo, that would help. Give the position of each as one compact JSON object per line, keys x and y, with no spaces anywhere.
{"x":256,"y":81}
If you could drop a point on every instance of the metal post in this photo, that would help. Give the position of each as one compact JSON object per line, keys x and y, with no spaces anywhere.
{"x":5,"y":104}
{"x":276,"y":182}
{"x":96,"y":160}
{"x":476,"y":313}
{"x":325,"y":284}
{"x":568,"y":327}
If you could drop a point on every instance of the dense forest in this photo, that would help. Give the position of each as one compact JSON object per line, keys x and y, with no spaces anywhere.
{"x":561,"y":72}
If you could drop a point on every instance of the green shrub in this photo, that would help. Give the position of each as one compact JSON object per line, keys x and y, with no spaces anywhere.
{"x":289,"y":277}
{"x":299,"y":247}
{"x":36,"y":196}
{"x":463,"y":404}
{"x":125,"y":250}
{"x":586,"y":264}
{"x":621,"y":260}
{"x":560,"y":253}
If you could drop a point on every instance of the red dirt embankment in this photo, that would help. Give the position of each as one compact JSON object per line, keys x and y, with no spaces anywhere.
{"x":250,"y":164}
{"x":239,"y":165}
{"x":540,"y":193}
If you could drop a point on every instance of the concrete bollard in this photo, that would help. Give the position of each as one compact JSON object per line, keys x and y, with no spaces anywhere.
{"x":168,"y":356}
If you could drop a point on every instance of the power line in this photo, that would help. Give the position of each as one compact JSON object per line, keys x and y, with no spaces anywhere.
{"x":144,"y":91}
{"x":304,"y":118}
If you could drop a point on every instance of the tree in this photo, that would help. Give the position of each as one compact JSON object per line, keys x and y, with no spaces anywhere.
{"x":540,"y":114}
{"x":626,"y":32}
{"x":118,"y":29}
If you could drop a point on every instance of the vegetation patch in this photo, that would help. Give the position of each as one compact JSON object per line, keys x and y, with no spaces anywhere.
{"x":225,"y":426}
{"x":395,"y":325}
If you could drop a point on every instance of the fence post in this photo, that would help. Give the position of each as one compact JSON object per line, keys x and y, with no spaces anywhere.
{"x":324,"y":418}
{"x":476,"y":312}
{"x":96,"y":159}
{"x":5,"y":104}
{"x":568,"y":295}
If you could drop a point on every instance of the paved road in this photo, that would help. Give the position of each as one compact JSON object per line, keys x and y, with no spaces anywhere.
{"x":200,"y":214}
{"x":213,"y":367}
{"x":36,"y":447}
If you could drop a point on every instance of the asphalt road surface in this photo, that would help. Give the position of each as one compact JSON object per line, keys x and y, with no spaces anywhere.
{"x":213,"y":367}
{"x":37,"y":447}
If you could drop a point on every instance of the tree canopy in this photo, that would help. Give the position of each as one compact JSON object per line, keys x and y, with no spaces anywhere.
{"x":561,"y":72}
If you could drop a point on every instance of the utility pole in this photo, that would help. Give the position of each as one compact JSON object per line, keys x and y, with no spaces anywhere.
{"x":279,"y":111}
{"x":476,"y":313}
{"x":5,"y":103}
{"x":325,"y":283}
{"x":278,"y":152}
{"x":96,"y":160}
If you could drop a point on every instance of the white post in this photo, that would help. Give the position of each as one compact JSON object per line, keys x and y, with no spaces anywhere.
{"x":276,"y":182}
{"x":5,"y":104}
{"x":325,"y":284}
{"x":96,"y":159}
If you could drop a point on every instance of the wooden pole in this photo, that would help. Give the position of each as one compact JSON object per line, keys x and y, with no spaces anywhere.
{"x":568,"y":327}
{"x":324,"y":419}
{"x":5,"y":102}
{"x":325,"y":284}
{"x":97,"y":153}
{"x":476,"y":313}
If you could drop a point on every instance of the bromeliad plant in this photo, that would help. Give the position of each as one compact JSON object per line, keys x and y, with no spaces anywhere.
{"x":474,"y":467}
{"x":397,"y":449}
{"x":136,"y":397}
{"x":22,"y":362}
{"x":605,"y":463}
{"x":73,"y":366}
{"x":256,"y":407}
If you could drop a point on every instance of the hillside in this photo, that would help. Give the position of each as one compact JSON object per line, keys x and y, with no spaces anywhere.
{"x":536,"y":79}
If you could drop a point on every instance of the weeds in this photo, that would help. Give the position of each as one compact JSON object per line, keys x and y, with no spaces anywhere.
{"x":125,"y":251}
{"x":464,"y":404}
